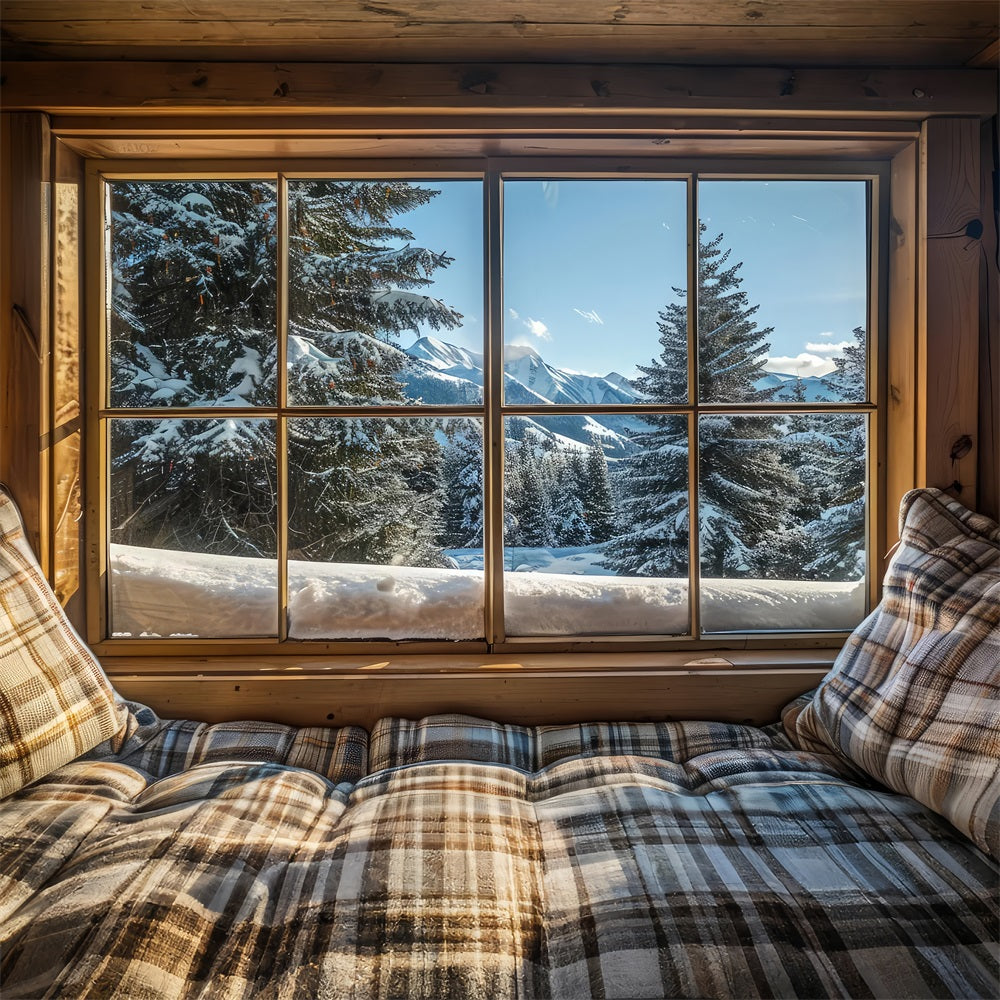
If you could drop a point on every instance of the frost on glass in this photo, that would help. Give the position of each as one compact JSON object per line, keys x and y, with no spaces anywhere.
{"x":596,"y":525}
{"x":591,"y":268}
{"x":781,"y":509}
{"x":385,"y":292}
{"x":192,"y":521}
{"x":782,"y":291}
{"x":385,"y":528}
{"x":191,"y":297}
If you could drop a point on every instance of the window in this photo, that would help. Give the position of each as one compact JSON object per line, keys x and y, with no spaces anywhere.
{"x":525,"y":404}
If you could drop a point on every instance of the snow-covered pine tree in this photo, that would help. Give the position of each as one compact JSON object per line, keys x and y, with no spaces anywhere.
{"x":192,"y":322}
{"x":746,"y":491}
{"x":597,"y":495}
{"x":352,"y":290}
{"x":837,"y":532}
{"x":463,"y":477}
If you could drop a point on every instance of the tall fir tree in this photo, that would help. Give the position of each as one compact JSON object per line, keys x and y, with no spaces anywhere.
{"x":746,"y":490}
{"x":193,"y":322}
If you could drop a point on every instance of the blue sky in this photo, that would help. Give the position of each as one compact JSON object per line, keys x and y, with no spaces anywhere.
{"x":589,"y":263}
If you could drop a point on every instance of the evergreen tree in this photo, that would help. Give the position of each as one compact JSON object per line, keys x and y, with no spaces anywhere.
{"x":194,"y":321}
{"x":837,"y":533}
{"x":598,"y":497}
{"x":463,"y":476}
{"x":746,"y":490}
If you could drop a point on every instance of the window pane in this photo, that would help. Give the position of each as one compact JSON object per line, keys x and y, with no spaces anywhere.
{"x":593,"y":279}
{"x":782,"y":521}
{"x":191,"y":303}
{"x":385,"y":528}
{"x":783,"y":291}
{"x":193,"y":540}
{"x":595,"y":526}
{"x":385,"y":292}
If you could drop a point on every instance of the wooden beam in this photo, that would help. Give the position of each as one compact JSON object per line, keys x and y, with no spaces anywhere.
{"x":948,"y":308}
{"x":902,"y":384}
{"x":363,"y":88}
{"x":65,"y":438}
{"x":24,"y":321}
{"x":754,"y":697}
{"x":989,"y":325}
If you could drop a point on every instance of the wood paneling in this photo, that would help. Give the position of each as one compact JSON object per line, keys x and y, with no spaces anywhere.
{"x":67,"y":353}
{"x":24,"y":323}
{"x":525,"y":699}
{"x":319,"y":88}
{"x":902,"y":386}
{"x":886,"y":33}
{"x":949,"y":272}
{"x":989,"y":325}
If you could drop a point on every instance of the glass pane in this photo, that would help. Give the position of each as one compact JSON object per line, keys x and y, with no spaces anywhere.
{"x":385,"y":528}
{"x":596,"y":525}
{"x":594,"y":272}
{"x":191,"y":305}
{"x":783,"y":291}
{"x":385,"y":292}
{"x":193,"y":528}
{"x":782,"y":521}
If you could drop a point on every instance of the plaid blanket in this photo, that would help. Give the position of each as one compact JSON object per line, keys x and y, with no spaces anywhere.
{"x":685,"y":860}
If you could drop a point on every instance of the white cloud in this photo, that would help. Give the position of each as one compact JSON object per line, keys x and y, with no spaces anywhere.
{"x":825,"y":333}
{"x":829,"y":348}
{"x":590,"y":316}
{"x":802,"y":365}
{"x":514,"y":314}
{"x":538,"y":328}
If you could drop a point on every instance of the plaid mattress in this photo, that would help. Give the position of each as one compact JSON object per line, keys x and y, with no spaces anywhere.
{"x":481,"y":861}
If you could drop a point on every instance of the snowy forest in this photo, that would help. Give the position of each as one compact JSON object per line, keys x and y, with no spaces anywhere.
{"x":192,"y":320}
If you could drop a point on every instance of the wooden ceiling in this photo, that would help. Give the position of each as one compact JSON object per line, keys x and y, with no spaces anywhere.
{"x":887,"y":33}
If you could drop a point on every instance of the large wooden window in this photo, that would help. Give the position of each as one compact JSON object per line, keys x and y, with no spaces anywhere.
{"x":528,"y":402}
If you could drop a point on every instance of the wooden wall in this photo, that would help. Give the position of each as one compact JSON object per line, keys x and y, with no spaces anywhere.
{"x":943,"y":377}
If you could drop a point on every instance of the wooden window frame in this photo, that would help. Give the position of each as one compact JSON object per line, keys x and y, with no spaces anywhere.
{"x":875,"y":173}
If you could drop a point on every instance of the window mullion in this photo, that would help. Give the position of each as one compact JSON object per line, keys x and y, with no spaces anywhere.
{"x":694,"y":567}
{"x":493,"y":399}
{"x":281,"y":430}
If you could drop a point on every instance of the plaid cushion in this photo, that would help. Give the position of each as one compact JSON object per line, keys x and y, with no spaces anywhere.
{"x":55,"y":702}
{"x":450,"y":737}
{"x":741,"y":873}
{"x":914,"y":697}
{"x":461,"y":737}
{"x":168,"y":747}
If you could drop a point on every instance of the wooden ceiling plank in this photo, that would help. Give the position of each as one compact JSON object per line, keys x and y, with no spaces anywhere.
{"x":149,"y":87}
{"x":256,"y":14}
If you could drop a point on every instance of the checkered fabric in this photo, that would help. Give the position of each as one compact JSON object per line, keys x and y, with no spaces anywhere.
{"x":55,"y":702}
{"x":734,"y":872}
{"x":395,"y":742}
{"x":170,"y":746}
{"x":914,"y":697}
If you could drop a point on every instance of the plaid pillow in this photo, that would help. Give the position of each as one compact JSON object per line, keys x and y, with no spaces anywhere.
{"x":55,"y":702}
{"x":914,"y":697}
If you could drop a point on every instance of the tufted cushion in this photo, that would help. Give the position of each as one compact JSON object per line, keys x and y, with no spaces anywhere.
{"x":914,"y":697}
{"x":55,"y":702}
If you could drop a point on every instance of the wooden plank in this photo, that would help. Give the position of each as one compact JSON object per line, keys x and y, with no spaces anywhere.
{"x":989,"y":327}
{"x":529,"y":699}
{"x":902,"y":387}
{"x":114,"y":16}
{"x":247,"y":663}
{"x":988,"y":57}
{"x":24,"y":332}
{"x":67,"y":327}
{"x":236,"y":88}
{"x":948,"y":313}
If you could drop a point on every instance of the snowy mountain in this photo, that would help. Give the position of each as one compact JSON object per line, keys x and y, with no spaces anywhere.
{"x":445,"y":374}
{"x":817,"y":388}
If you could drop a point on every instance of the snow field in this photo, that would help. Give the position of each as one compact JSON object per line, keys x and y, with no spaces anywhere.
{"x":155,"y":592}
